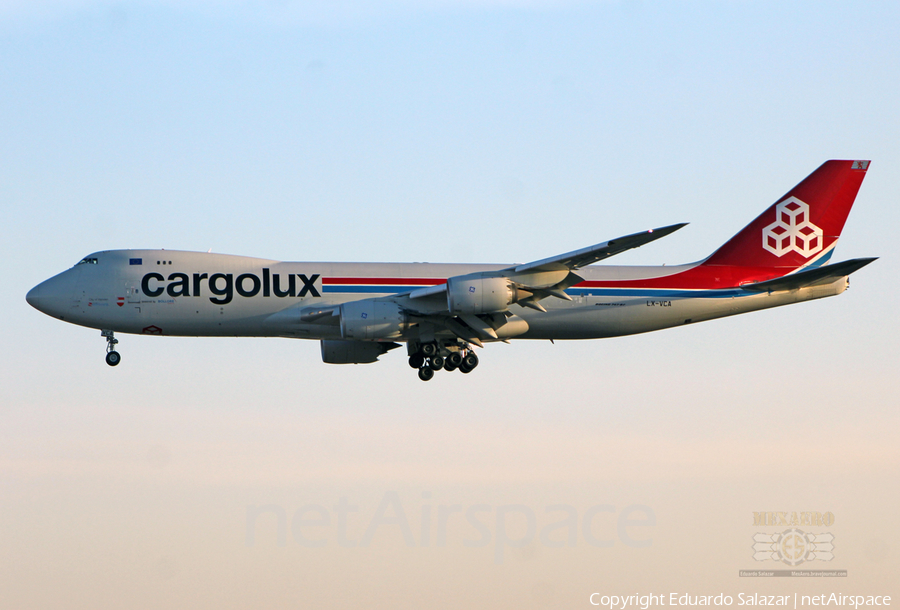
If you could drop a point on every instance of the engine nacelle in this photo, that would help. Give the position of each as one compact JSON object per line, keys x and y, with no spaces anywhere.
{"x":336,"y":351}
{"x":370,"y":319}
{"x":477,"y":295}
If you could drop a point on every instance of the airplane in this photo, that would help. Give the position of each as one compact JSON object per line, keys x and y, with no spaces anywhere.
{"x":360,"y":311}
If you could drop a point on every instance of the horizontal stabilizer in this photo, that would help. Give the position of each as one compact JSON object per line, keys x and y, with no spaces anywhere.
{"x":811,"y":277}
{"x":598,"y":252}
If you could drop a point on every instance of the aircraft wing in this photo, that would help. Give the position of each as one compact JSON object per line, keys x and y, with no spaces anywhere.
{"x":598,"y":252}
{"x":810,"y":277}
{"x":474,"y":307}
{"x":554,"y":273}
{"x":523,"y":284}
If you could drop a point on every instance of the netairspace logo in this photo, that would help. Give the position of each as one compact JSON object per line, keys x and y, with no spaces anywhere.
{"x":480,"y":525}
{"x":643,"y":602}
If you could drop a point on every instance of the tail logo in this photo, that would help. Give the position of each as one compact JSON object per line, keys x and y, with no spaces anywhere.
{"x":792,"y":231}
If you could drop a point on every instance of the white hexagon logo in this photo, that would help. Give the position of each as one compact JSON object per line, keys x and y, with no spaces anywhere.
{"x":792,"y":231}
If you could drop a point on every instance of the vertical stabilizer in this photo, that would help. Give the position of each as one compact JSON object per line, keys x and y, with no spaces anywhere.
{"x":801,"y":229}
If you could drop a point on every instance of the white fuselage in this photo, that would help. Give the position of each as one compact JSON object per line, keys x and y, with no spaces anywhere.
{"x":199,"y":294}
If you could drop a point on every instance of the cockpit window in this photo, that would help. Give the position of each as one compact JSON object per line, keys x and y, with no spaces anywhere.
{"x":87,"y":261}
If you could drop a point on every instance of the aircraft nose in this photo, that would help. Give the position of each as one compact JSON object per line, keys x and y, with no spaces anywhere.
{"x":41,"y":297}
{"x":33,"y":297}
{"x":51,"y":296}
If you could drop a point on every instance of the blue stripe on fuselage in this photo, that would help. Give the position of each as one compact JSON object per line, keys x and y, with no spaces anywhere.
{"x":597,"y":292}
{"x":375,"y":289}
{"x":657,"y":293}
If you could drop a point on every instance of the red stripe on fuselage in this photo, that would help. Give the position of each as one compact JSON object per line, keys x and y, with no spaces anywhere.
{"x":698,"y":278}
{"x":702,"y":277}
{"x":383,"y":281}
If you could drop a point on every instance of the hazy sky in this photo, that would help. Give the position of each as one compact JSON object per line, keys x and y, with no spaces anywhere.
{"x":219,"y":473}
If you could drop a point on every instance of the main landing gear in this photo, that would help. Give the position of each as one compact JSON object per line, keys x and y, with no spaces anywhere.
{"x":430,"y":358}
{"x":112,"y":356}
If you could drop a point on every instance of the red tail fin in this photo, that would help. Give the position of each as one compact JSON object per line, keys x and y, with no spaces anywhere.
{"x":801,"y":228}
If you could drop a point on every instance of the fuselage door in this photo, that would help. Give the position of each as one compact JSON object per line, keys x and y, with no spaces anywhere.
{"x":132,"y":297}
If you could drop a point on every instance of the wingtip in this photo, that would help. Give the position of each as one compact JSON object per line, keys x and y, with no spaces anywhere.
{"x":669,"y":228}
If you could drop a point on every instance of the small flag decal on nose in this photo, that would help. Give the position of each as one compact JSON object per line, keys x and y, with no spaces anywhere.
{"x":120,"y":301}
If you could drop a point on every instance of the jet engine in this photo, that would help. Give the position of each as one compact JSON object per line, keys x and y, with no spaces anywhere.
{"x":337,"y":351}
{"x":478,"y":295}
{"x":371,"y":319}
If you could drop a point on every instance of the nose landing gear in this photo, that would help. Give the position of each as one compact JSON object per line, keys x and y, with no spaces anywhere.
{"x":112,"y":356}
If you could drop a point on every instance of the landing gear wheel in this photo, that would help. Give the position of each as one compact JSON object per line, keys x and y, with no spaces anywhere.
{"x":426,"y":373}
{"x":112,"y":356}
{"x":448,"y":365}
{"x":416,"y":361}
{"x":429,"y":349}
{"x":471,"y":360}
{"x":464,"y":368}
{"x":437,"y":363}
{"x":455,"y":359}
